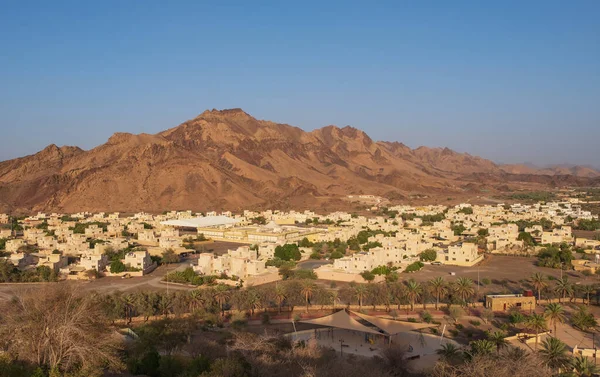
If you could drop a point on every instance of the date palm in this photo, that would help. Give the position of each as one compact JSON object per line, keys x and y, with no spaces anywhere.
{"x":583,"y":366}
{"x":555,"y":313}
{"x":553,"y":354}
{"x":253,"y":300}
{"x":538,"y":281}
{"x":413,"y":292}
{"x":464,"y":288}
{"x":308,"y":287}
{"x":360,"y":291}
{"x":498,"y":338}
{"x":221,"y":294}
{"x":280,"y":295}
{"x":482,"y":347}
{"x":449,"y":351}
{"x":536,"y":323}
{"x":439,"y":288}
{"x":588,"y":290}
{"x":129,"y":305}
{"x":564,"y":288}
{"x":196,"y":300}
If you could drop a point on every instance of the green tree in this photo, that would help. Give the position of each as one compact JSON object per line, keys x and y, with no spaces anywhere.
{"x":169,"y":257}
{"x":221,"y":294}
{"x":439,"y":289}
{"x":308,"y":288}
{"x":481,"y":347}
{"x":587,"y":290}
{"x":553,"y":354}
{"x":428,"y":255}
{"x":538,"y":280}
{"x":449,"y":352}
{"x":563,"y":287}
{"x":536,"y":323}
{"x":360,"y":291}
{"x":368,"y":276}
{"x":464,"y":289}
{"x":288,"y":252}
{"x":117,"y":266}
{"x":583,"y":366}
{"x":583,"y":319}
{"x":555,"y":313}
{"x":413,"y":292}
{"x":498,"y":338}
{"x":526,"y":238}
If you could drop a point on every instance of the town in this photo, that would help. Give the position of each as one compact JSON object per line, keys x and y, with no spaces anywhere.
{"x":344,"y":246}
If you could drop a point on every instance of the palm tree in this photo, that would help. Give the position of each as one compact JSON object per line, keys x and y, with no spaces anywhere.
{"x":583,"y":366}
{"x":555,"y":313}
{"x":464,"y":288}
{"x":413,"y":292}
{"x":538,"y":280}
{"x":482,"y":347}
{"x":439,"y":288}
{"x":497,"y":337}
{"x":252,"y":300}
{"x":280,"y":295}
{"x":360,"y":291}
{"x":583,"y":319}
{"x":588,"y":290}
{"x":308,"y":288}
{"x":196,"y":300}
{"x":448,"y":351}
{"x":553,"y":353}
{"x":563,"y":288}
{"x":537,"y":323}
{"x":129,"y":303}
{"x":221,"y":294}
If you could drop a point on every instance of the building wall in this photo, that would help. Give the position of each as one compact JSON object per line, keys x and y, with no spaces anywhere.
{"x":504,"y":303}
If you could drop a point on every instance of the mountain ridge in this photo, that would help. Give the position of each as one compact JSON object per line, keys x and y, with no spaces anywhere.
{"x":227,"y":159}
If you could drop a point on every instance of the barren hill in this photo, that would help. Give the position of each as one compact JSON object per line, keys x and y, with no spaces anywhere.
{"x":229,"y":160}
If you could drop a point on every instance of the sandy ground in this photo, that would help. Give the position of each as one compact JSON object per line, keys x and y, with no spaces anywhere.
{"x":421,"y":346}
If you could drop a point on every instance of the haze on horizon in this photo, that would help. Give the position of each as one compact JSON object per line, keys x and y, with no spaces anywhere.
{"x":510,"y":81}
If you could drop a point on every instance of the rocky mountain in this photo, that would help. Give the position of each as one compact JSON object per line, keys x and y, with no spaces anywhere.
{"x":576,"y":170}
{"x":229,"y":160}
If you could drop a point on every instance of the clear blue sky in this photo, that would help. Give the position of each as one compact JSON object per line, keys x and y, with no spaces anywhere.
{"x":512,"y":81}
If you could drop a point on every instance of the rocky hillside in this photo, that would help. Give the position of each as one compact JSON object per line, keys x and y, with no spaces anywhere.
{"x":229,"y":160}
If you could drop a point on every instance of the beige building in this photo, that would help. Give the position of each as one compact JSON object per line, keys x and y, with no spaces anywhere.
{"x":54,"y":261}
{"x":504,"y":302}
{"x":139,"y":259}
{"x":3,"y":218}
{"x":14,"y":244}
{"x":558,"y":235}
{"x":465,"y":254}
{"x":242,"y":262}
{"x":96,"y":262}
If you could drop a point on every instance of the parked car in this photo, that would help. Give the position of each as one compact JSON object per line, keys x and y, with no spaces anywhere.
{"x":436,"y":263}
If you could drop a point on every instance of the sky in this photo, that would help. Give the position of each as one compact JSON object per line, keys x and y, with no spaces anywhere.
{"x":512,"y":81}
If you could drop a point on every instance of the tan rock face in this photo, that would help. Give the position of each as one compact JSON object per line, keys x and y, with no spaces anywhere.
{"x":229,"y":160}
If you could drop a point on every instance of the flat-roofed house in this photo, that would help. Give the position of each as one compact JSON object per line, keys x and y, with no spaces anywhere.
{"x":503,"y":303}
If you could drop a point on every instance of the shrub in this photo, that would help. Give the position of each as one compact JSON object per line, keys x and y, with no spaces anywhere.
{"x":428,"y":255}
{"x":413,"y":267}
{"x":427,"y":317}
{"x":475,"y":323}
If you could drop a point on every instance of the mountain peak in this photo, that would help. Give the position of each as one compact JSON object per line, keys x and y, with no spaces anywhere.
{"x":235,"y":112}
